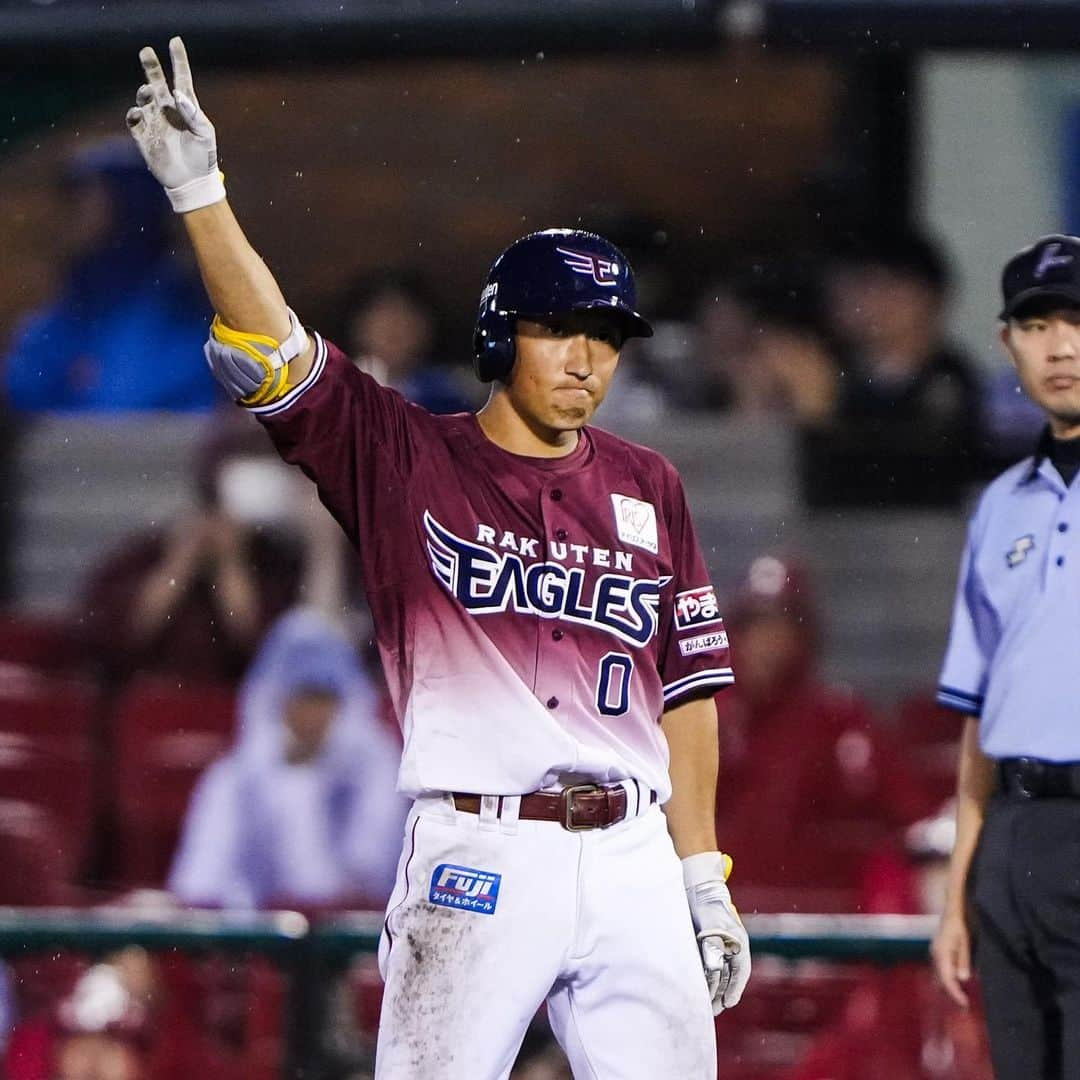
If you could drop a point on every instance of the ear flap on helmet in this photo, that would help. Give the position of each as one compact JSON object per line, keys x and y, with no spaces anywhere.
{"x":493,"y":346}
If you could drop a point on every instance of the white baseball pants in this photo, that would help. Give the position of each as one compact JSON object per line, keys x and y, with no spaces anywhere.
{"x":491,"y":916}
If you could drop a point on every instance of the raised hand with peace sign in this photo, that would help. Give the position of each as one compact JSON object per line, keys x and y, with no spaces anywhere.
{"x":175,"y":136}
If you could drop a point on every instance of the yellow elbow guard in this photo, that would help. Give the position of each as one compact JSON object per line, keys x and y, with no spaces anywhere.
{"x":254,"y":368}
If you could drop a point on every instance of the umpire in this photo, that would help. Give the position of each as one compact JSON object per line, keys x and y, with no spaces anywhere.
{"x":1014,"y":651}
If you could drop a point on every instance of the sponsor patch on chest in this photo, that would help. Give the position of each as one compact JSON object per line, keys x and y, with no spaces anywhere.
{"x":636,"y":522}
{"x":465,"y":888}
{"x":696,"y":607}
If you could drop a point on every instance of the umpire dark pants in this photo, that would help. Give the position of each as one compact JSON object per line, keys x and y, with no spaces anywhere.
{"x":1024,"y":890}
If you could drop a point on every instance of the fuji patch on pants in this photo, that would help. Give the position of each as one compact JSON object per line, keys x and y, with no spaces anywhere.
{"x":463,"y":887}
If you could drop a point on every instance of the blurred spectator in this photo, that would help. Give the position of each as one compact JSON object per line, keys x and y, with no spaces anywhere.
{"x":304,"y":809}
{"x":903,"y":426}
{"x":723,"y":336}
{"x":193,"y":598}
{"x":137,"y":1016}
{"x":127,"y":330}
{"x":102,"y":1029}
{"x":837,"y":787}
{"x":388,"y":324}
{"x":761,"y":348}
{"x":113,"y":1024}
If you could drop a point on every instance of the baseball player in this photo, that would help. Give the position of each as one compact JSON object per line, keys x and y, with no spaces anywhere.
{"x":1014,"y":876}
{"x":550,"y":639}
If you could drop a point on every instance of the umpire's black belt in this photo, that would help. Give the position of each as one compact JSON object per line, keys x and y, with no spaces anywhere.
{"x":1034,"y":778}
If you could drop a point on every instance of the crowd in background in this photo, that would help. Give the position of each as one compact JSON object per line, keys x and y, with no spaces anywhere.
{"x":254,"y":592}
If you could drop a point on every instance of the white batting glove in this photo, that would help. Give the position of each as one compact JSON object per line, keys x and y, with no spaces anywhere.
{"x":175,"y":136}
{"x":724,"y":942}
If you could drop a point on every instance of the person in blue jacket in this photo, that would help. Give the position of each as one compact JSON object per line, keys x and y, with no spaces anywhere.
{"x":126,"y":331}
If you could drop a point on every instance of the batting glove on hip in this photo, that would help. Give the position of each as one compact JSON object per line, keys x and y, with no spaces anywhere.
{"x":175,"y":136}
{"x":722,"y":938}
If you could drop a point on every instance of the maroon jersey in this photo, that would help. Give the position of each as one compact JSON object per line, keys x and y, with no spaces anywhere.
{"x":535,"y":616}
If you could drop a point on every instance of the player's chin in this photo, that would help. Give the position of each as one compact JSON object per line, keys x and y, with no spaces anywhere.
{"x":570,"y":418}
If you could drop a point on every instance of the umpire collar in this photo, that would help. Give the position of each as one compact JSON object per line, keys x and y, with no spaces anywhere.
{"x":1044,"y":451}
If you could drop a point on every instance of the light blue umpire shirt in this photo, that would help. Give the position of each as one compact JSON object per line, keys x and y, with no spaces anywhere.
{"x":1013,"y":658}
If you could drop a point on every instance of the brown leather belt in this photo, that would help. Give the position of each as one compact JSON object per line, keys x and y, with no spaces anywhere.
{"x":584,"y":806}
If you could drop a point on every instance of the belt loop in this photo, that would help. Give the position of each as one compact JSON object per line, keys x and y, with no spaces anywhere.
{"x":633,"y":798}
{"x":508,"y":818}
{"x":489,"y":812}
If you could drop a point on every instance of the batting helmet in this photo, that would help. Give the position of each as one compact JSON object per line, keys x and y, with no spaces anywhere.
{"x":552,"y":272}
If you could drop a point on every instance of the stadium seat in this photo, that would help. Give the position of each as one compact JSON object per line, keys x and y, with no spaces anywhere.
{"x":164,"y":735}
{"x":43,"y":642}
{"x":43,"y":706}
{"x":34,"y":857}
{"x":56,"y":777}
{"x":48,"y":731}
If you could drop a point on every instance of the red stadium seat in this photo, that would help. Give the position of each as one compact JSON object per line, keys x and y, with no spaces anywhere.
{"x":38,"y":641}
{"x":48,"y":729}
{"x":57,"y":777}
{"x":44,"y":706}
{"x":34,"y":856}
{"x":165,"y":735}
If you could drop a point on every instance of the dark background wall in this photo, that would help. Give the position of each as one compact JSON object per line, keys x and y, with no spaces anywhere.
{"x":440,"y":163}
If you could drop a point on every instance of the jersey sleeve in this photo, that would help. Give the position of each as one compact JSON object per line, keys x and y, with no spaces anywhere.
{"x":962,"y":685}
{"x":346,"y":432}
{"x":694,"y":658}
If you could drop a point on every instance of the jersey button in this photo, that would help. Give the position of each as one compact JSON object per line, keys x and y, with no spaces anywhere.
{"x":1063,"y":527}
{"x":1060,"y":560}
{"x":557,"y":635}
{"x":560,"y":534}
{"x":552,"y":702}
{"x":556,"y":494}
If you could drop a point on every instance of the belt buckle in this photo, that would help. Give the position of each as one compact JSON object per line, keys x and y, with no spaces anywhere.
{"x":1030,"y":777}
{"x":568,"y":806}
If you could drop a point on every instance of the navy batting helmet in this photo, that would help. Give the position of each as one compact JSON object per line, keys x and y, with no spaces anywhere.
{"x":552,"y":272}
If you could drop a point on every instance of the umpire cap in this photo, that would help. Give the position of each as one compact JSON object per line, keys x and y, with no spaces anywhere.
{"x":545,"y":273}
{"x":1048,"y":269}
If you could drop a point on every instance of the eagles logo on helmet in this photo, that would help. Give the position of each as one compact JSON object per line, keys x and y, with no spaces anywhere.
{"x":550,"y":273}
